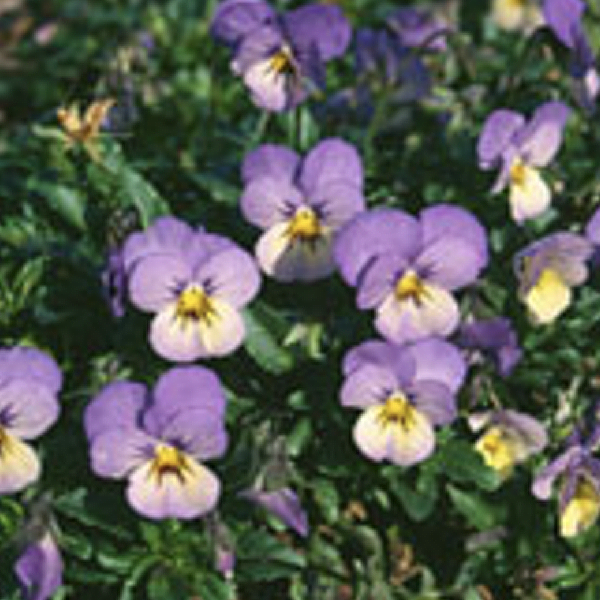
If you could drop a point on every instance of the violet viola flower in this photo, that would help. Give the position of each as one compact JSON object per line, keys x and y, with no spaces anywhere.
{"x":578,"y":473}
{"x":510,"y":438}
{"x":418,"y":28}
{"x":284,"y":504}
{"x":517,"y":15}
{"x":564,"y":18}
{"x":29,"y":383}
{"x":548,"y":269}
{"x":39,"y":569}
{"x":301,"y":203}
{"x":495,"y":337}
{"x":159,"y":440}
{"x":403,"y":392}
{"x":195,"y":283}
{"x":519,"y":149}
{"x":407,"y":269}
{"x":281,"y":58}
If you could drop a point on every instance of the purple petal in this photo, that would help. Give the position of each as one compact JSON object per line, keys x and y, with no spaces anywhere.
{"x":118,"y":405}
{"x":39,"y":569}
{"x":30,"y":363}
{"x":592,"y":230}
{"x":435,"y":401}
{"x":370,"y":234}
{"x":398,"y":359}
{"x":332,"y":160}
{"x":285,"y":505}
{"x":234,"y":19}
{"x":117,"y":451}
{"x":541,"y":138}
{"x":231,"y":276}
{"x":337,"y":202}
{"x":527,"y":427}
{"x":379,"y":280}
{"x":268,"y":201}
{"x":544,"y":480}
{"x":27,"y":408}
{"x":438,"y":361}
{"x":155,"y":280}
{"x":564,"y":18}
{"x":367,"y":386}
{"x":270,"y":160}
{"x":319,"y":25}
{"x":418,"y":29}
{"x":496,"y":135}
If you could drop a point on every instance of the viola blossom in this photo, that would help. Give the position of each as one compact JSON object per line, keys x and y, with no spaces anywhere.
{"x":407,"y":268}
{"x":547,"y":270}
{"x":517,"y":15}
{"x":592,"y":233}
{"x":281,"y":57}
{"x":404,"y":392}
{"x":418,"y":28}
{"x":29,"y":383}
{"x":195,"y":283}
{"x":509,"y":438}
{"x":495,"y":338}
{"x":301,"y":203}
{"x":159,"y":441}
{"x":578,"y":476}
{"x":564,"y":18}
{"x":39,"y":569}
{"x":519,"y":148}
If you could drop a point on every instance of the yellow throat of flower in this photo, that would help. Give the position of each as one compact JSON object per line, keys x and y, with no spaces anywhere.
{"x":5,"y":442}
{"x":582,"y":510}
{"x":410,"y":286}
{"x":168,"y":460}
{"x":498,"y":451}
{"x":282,"y":62}
{"x":194,"y":304}
{"x":304,"y":226}
{"x":397,"y":410}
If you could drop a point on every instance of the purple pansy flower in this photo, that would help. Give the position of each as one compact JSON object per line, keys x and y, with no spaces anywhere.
{"x":579,"y":475}
{"x":159,"y":441}
{"x":284,"y":504}
{"x":513,"y":15}
{"x":403,"y":392}
{"x":281,"y":57}
{"x":407,"y":269}
{"x":548,"y":269}
{"x":195,"y":282}
{"x":418,"y":28}
{"x":39,"y":569}
{"x":29,"y":383}
{"x":564,"y":17}
{"x":497,"y":338}
{"x":518,"y":148}
{"x":510,"y":438}
{"x":301,"y":203}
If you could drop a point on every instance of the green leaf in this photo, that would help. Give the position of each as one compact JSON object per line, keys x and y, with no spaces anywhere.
{"x":463,"y":464}
{"x":67,"y":202}
{"x":137,"y":191}
{"x":477,"y":512}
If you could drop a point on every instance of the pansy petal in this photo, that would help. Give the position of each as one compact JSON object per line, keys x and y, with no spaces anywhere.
{"x":272,"y":161}
{"x":368,"y":385}
{"x":267,"y":201}
{"x":380,"y":279}
{"x":373,"y":233}
{"x":30,"y":364}
{"x":231,"y":276}
{"x":544,"y":480}
{"x":387,"y":355}
{"x":498,"y":131}
{"x":564,"y":18}
{"x":117,"y":451}
{"x":284,"y":504}
{"x":155,"y":281}
{"x":168,"y":496}
{"x":19,"y":464}
{"x":592,"y":229}
{"x":39,"y":569}
{"x":530,"y":197}
{"x":233,"y":19}
{"x":406,"y":320}
{"x":548,"y":298}
{"x":268,"y":89}
{"x":336,"y":202}
{"x":27,"y":408}
{"x":439,"y":361}
{"x":434,"y":400}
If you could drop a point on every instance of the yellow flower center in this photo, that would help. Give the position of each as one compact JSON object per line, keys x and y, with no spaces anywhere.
{"x":168,"y":460}
{"x":518,"y":173}
{"x":410,"y":286}
{"x":582,"y":510}
{"x":498,"y":451}
{"x":397,"y":410}
{"x":5,"y":442}
{"x":282,"y":62}
{"x":304,"y":226}
{"x":193,"y":303}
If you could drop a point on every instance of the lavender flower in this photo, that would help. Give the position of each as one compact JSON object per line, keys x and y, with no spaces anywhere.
{"x":417,"y":28}
{"x":564,"y":18}
{"x":517,"y":15}
{"x":407,"y":269}
{"x":495,"y":337}
{"x":579,"y":475}
{"x":518,"y":149}
{"x":592,"y":233}
{"x":510,"y":438}
{"x":29,"y":383}
{"x":548,"y":269}
{"x":284,"y":504}
{"x":159,"y":441}
{"x":403,"y":392}
{"x":281,"y":58}
{"x":195,"y":282}
{"x":39,"y":569}
{"x":301,"y":203}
